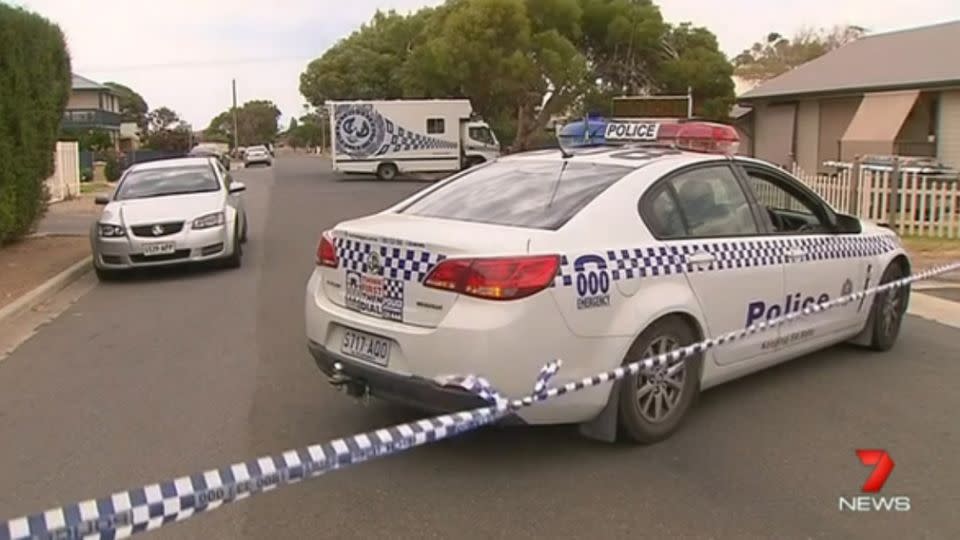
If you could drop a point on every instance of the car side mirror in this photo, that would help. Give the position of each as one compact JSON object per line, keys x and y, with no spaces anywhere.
{"x":237,"y":187}
{"x":848,"y":224}
{"x":101,"y":200}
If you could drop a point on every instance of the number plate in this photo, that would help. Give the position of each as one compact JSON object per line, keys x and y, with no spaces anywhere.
{"x":150,"y":250}
{"x":366,"y":347}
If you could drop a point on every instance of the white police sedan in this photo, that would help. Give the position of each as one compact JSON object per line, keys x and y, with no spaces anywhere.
{"x":599,"y":258}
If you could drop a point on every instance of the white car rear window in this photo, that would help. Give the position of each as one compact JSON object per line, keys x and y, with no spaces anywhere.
{"x":532,"y":194}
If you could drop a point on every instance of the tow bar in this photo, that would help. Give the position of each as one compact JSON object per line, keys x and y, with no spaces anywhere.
{"x":353,"y":387}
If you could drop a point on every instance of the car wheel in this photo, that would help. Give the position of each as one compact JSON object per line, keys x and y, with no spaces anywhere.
{"x":236,"y":258}
{"x":653,"y":403}
{"x":888,"y":309}
{"x":387,"y":171}
{"x":106,"y":275}
{"x":243,"y":235}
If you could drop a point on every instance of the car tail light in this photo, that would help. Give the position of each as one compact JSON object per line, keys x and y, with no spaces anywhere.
{"x":326,"y":252}
{"x":497,"y":278}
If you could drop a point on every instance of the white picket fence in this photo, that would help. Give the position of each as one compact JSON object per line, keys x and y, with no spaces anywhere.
{"x":929,"y":205}
{"x":65,"y":181}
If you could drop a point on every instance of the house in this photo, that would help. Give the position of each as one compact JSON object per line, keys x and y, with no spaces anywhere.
{"x":92,"y":106}
{"x":896,"y":93}
{"x":129,"y":136}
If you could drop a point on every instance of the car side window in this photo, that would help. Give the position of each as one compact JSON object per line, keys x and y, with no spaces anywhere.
{"x":664,"y":217}
{"x":789,"y":212}
{"x":710,"y":201}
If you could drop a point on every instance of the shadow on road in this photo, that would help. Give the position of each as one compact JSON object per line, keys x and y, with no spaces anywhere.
{"x":169,"y":273}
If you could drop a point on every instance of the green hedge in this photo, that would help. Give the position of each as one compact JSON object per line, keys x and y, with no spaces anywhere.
{"x":34,"y":89}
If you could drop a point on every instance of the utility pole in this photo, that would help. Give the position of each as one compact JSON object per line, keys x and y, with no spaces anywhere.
{"x":236,"y":143}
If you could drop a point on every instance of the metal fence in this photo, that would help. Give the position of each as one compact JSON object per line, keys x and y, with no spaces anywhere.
{"x":914,"y":201}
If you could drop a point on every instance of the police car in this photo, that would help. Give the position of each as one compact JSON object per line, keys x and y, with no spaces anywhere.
{"x":599,"y":257}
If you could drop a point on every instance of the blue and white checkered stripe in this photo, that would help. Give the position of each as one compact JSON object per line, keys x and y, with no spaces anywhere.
{"x":406,"y":140}
{"x":122,"y":514}
{"x":403,"y":263}
{"x":670,"y":259}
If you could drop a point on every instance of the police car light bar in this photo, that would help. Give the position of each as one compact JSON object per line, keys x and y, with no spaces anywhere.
{"x":693,"y":136}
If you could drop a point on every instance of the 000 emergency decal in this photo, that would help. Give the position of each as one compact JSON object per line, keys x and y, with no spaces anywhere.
{"x":592,"y":284}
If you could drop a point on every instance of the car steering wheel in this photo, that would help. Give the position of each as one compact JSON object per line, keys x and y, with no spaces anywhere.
{"x":807,"y":227}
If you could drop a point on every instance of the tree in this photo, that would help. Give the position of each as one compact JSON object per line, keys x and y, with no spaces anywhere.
{"x":777,"y":54}
{"x":696,"y":62}
{"x":133,"y":108}
{"x":34,"y":89}
{"x":96,"y":140}
{"x":167,"y":132}
{"x":256,"y":123}
{"x":161,"y":119}
{"x":522,"y":61}
{"x":175,"y":139}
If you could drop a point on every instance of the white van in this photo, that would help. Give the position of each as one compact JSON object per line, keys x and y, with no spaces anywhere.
{"x":388,"y":138}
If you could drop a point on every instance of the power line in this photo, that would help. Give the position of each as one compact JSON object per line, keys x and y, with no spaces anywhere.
{"x":200,"y":63}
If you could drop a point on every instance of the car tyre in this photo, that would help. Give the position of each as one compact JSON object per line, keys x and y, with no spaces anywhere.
{"x":243,"y":235}
{"x":387,"y":171}
{"x":889,"y":308}
{"x":235,"y":260}
{"x":652,"y":405}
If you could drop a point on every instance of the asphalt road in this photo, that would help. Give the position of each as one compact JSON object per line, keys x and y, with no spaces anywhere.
{"x":176,"y":372}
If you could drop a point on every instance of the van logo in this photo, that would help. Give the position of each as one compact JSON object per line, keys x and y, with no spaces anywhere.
{"x":157,"y":230}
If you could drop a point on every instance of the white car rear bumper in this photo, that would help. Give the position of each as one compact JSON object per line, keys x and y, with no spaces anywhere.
{"x":505,"y":342}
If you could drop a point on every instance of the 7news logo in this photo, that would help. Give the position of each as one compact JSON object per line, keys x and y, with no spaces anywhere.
{"x":882,"y":465}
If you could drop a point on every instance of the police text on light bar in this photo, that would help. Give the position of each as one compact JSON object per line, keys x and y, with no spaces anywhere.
{"x":632,"y":131}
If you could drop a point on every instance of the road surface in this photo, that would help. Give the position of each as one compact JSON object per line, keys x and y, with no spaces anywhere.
{"x":177,"y":372}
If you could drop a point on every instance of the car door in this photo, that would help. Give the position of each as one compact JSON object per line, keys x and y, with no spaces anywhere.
{"x":820,"y":265}
{"x":705,"y":214}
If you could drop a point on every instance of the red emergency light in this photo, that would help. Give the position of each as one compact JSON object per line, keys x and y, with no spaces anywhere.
{"x":697,"y":136}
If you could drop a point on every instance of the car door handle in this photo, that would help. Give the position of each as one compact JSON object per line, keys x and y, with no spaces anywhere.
{"x":795,"y":254}
{"x":701,"y":258}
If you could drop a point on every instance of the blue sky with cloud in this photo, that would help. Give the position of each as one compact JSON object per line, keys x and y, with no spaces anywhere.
{"x":184,"y":53}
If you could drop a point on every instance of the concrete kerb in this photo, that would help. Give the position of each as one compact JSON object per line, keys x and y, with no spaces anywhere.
{"x":47,"y":289}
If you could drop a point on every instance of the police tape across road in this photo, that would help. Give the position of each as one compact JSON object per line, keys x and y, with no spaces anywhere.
{"x":149,"y":507}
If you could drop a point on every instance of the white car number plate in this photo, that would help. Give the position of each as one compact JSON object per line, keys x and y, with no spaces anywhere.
{"x":150,"y":250}
{"x":365,"y":347}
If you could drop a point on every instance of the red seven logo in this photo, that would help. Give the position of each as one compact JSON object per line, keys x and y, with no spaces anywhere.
{"x":882,"y":466}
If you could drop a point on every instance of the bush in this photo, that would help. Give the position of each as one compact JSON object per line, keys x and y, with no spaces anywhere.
{"x":34,"y":88}
{"x":112,"y":170}
{"x":86,"y":175}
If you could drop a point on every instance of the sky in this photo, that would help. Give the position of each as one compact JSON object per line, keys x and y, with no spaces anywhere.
{"x":183,"y":54}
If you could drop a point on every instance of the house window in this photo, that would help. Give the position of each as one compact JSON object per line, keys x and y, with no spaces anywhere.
{"x":435,"y":125}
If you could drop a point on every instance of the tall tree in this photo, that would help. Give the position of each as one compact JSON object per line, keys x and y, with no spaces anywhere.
{"x":696,"y":63}
{"x":777,"y":54}
{"x":133,"y":108}
{"x":522,"y":61}
{"x":256,"y":123}
{"x":161,"y":119}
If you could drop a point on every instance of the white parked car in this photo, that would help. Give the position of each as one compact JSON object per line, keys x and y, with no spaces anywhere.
{"x":171,"y":211}
{"x":601,"y":258}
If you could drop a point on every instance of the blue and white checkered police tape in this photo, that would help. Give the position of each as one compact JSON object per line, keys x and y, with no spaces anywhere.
{"x":149,"y":507}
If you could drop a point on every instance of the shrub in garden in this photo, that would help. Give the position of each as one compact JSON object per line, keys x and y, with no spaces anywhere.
{"x":34,"y":88}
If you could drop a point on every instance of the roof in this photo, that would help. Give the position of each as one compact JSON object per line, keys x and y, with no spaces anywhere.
{"x":905,"y":59}
{"x":83,"y":83}
{"x":172,"y":163}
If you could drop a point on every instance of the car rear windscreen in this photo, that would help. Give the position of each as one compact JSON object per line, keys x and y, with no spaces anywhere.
{"x":531,"y":194}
